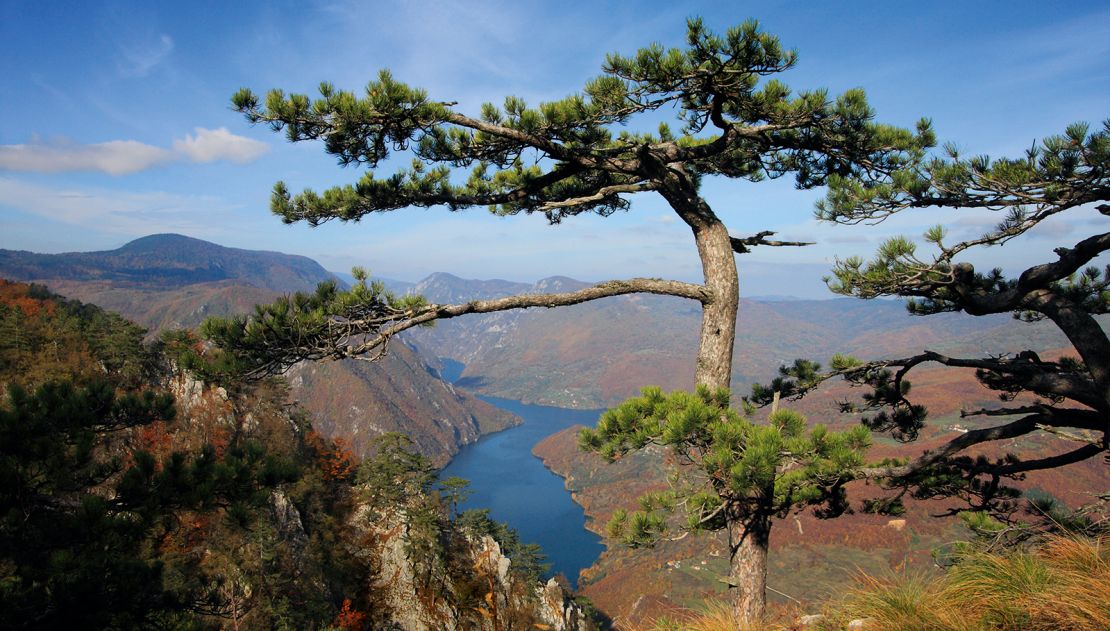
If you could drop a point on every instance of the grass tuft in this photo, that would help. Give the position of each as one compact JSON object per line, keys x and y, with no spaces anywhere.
{"x":1063,"y":584}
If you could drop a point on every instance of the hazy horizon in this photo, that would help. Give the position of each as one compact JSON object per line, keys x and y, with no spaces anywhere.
{"x":123,"y":125}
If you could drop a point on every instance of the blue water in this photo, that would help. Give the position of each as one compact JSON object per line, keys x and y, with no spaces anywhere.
{"x":451,"y":370}
{"x":516,"y":488}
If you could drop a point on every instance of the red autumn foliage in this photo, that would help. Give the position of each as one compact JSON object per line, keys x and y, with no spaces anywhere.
{"x":350,"y":618}
{"x":219,"y":437}
{"x":154,"y":439}
{"x":335,"y":458}
{"x":16,"y":295}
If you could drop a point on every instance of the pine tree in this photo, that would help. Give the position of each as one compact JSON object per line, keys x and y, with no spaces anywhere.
{"x":1068,"y":397}
{"x":562,"y":159}
{"x":76,"y":522}
{"x":739,"y":474}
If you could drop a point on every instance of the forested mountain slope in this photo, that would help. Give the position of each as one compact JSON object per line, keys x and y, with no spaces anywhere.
{"x":172,"y":281}
{"x":137,"y":496}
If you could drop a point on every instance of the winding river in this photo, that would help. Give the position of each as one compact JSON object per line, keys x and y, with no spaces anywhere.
{"x":515,"y":486}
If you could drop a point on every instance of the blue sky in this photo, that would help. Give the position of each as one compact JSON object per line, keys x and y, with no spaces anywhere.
{"x":116,"y":121}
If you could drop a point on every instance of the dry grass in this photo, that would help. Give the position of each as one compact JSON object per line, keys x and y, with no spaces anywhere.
{"x":1064,"y":584}
{"x":717,"y":616}
{"x":1061,"y":585}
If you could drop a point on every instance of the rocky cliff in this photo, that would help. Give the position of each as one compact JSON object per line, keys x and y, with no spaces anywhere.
{"x":475,"y":585}
{"x":505,"y":599}
{"x":357,"y":400}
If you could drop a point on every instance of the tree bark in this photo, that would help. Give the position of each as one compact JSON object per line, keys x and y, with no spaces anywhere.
{"x":718,"y":264}
{"x":718,"y":320}
{"x":748,"y":541}
{"x":1088,"y":338}
{"x":748,"y":537}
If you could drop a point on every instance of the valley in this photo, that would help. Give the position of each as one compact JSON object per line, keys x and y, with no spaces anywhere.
{"x":602,"y":316}
{"x":516,"y":488}
{"x":519,"y":363}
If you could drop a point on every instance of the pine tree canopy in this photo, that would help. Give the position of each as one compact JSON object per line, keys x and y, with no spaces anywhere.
{"x":589,"y":153}
{"x":1066,"y":398}
{"x":583,"y":153}
{"x":733,"y":468}
{"x":567,"y":157}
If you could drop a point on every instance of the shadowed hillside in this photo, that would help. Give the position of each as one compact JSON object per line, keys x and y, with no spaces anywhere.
{"x":137,"y":495}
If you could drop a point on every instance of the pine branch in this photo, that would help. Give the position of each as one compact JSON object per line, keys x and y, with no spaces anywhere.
{"x":404,"y":190}
{"x":1019,"y":427}
{"x":1050,"y":462}
{"x":743,"y":245}
{"x":280,"y":335}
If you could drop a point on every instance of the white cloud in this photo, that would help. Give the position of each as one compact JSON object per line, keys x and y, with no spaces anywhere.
{"x":120,"y":157}
{"x":210,"y":145}
{"x":116,"y":157}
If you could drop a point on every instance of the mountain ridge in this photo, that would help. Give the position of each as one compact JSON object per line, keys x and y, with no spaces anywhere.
{"x":169,"y":260}
{"x":349,"y":399}
{"x":598,"y":353}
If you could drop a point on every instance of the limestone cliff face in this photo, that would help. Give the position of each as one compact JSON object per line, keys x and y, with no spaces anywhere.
{"x":357,"y":401}
{"x":477,"y":591}
{"x":459,"y":581}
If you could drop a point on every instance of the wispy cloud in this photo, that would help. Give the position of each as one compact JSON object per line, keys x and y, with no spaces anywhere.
{"x":478,"y":51}
{"x":120,"y":157}
{"x":120,"y":212}
{"x":1051,"y":51}
{"x":137,"y":59}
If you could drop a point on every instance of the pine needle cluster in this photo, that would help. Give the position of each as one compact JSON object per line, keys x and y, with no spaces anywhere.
{"x":733,"y":468}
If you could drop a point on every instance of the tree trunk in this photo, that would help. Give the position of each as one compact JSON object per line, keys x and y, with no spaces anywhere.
{"x":747,"y":537}
{"x":1085,"y":334}
{"x":718,"y":320}
{"x":718,"y":264}
{"x":747,"y":545}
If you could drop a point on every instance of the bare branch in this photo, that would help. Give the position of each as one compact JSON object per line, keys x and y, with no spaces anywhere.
{"x":1020,"y":427}
{"x":1042,"y":378}
{"x":351,"y":336}
{"x":1051,"y":462}
{"x":525,"y":301}
{"x":742,"y":246}
{"x":600,"y":195}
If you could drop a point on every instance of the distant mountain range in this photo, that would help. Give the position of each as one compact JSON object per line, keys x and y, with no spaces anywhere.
{"x":165,"y":261}
{"x":590,"y":355}
{"x":599,"y":353}
{"x":172,"y":281}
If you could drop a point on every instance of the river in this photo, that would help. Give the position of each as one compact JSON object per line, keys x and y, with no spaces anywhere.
{"x":516,"y":488}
